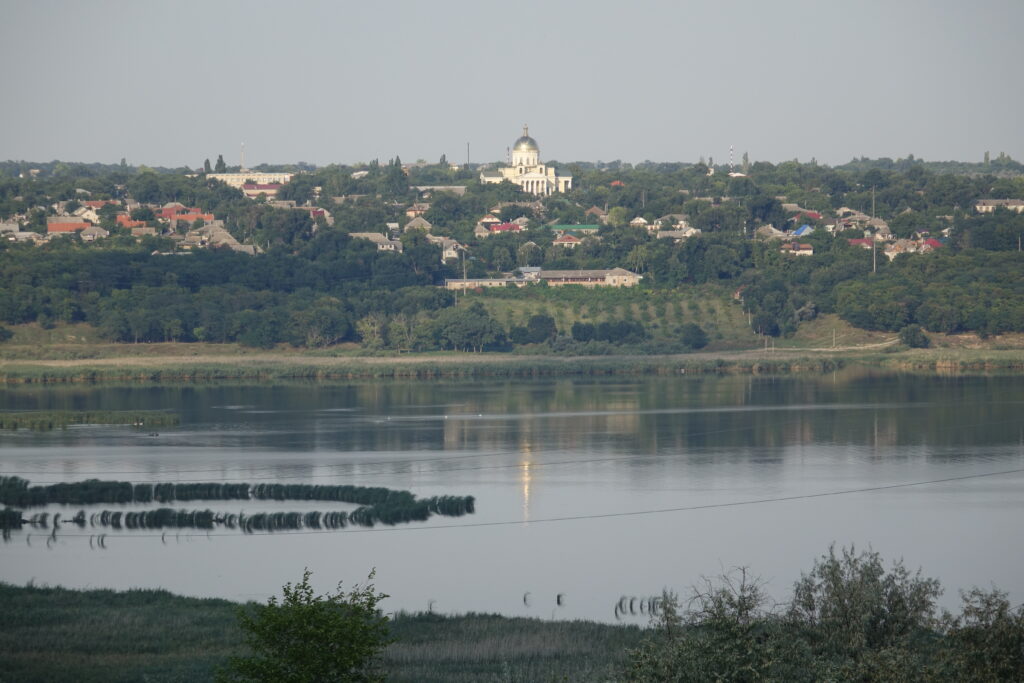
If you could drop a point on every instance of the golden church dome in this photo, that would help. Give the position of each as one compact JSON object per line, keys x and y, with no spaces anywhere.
{"x":526,"y":143}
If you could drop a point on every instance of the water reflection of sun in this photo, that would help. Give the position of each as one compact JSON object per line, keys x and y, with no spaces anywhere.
{"x":525,"y":479}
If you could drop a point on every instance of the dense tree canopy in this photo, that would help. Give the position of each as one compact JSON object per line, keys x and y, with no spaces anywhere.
{"x":313,"y":284}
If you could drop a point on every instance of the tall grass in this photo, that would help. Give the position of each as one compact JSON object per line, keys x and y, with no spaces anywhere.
{"x":461,"y":365}
{"x":93,"y":636}
{"x":59,"y":419}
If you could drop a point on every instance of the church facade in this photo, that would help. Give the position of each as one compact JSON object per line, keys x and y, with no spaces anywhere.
{"x":528,"y":172}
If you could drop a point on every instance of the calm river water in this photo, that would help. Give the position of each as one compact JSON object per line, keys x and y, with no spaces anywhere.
{"x":592,"y":489}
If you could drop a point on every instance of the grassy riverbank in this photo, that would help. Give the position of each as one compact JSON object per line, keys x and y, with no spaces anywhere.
{"x":270,"y":368}
{"x":55,"y":634}
{"x":452,"y":365}
{"x":74,"y":355}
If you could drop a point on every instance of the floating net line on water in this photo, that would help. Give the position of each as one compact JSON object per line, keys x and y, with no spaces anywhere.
{"x":377,"y":505}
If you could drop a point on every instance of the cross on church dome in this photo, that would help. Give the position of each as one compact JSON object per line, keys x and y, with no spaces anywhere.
{"x":526,"y":143}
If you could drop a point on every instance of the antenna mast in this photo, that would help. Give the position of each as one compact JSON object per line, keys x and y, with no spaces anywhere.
{"x":242,"y":160}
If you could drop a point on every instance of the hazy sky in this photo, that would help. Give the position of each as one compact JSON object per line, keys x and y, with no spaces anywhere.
{"x":175,"y":82}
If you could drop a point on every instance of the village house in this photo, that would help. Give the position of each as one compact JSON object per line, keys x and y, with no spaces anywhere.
{"x":418,"y":223}
{"x":214,"y":236}
{"x":57,"y":224}
{"x":189,"y":219}
{"x":990,"y":205}
{"x":417,"y":209}
{"x":123,"y":220}
{"x":426,"y":191}
{"x":483,"y":226}
{"x":803,"y":231}
{"x":382,"y":242}
{"x":677,"y":236}
{"x":567,"y":241}
{"x":254,"y":190}
{"x":19,"y":236}
{"x":461,"y":285}
{"x":93,"y":233}
{"x":769,"y":232}
{"x":797,"y":249}
{"x":506,"y":227}
{"x":580,"y":231}
{"x":536,"y":207}
{"x":450,"y":249}
{"x":672,"y":221}
{"x":597,"y":213}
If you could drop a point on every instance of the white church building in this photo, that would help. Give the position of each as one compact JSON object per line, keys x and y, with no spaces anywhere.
{"x":527,"y":172}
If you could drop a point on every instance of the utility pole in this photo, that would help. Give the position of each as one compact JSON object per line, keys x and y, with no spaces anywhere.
{"x":874,"y":257}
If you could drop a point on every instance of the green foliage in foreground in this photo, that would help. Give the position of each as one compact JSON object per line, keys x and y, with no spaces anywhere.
{"x":848,"y":620}
{"x":56,"y":634}
{"x":306,"y":638}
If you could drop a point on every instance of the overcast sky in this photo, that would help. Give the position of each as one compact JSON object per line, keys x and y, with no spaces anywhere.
{"x":335,"y":81}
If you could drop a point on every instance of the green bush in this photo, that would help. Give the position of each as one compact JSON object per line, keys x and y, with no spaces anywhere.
{"x":693,"y":336}
{"x":914,"y":337}
{"x":309,"y":637}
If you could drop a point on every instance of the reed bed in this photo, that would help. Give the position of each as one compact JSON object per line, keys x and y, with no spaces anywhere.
{"x":445,"y":367}
{"x":61,"y":419}
{"x":55,"y":634}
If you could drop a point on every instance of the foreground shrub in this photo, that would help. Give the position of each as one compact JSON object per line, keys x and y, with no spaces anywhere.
{"x":849,"y":619}
{"x":914,"y":337}
{"x":309,"y":637}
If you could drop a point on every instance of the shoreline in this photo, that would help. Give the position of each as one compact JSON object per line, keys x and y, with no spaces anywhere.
{"x":273,"y":366}
{"x":98,"y":634}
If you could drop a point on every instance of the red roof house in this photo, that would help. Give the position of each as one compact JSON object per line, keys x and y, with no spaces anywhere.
{"x":507,"y":227}
{"x":70,"y":226}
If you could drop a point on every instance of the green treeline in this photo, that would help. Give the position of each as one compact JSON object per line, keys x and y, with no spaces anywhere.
{"x":313,"y":285}
{"x":949,"y":293}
